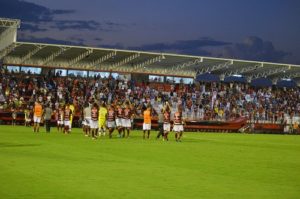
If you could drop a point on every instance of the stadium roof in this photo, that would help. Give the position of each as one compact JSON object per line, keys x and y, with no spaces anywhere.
{"x":129,"y":61}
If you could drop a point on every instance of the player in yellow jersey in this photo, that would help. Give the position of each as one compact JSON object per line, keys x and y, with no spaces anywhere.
{"x":102,"y":119}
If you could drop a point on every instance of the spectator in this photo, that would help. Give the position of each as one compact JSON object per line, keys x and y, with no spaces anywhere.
{"x":47,"y":118}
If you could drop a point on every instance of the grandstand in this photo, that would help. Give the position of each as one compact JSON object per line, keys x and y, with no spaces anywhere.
{"x":51,"y":56}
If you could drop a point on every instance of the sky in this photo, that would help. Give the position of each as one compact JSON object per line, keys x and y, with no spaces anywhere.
{"x":262,"y":30}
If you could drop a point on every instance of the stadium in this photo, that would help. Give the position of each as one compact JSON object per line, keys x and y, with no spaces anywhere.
{"x":229,"y":109}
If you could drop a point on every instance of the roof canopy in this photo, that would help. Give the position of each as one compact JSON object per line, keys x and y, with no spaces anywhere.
{"x":128,"y":61}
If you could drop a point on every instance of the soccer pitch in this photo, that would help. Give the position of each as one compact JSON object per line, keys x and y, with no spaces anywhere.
{"x":204,"y":165}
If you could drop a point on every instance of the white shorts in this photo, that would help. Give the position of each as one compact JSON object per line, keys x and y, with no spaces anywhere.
{"x":178,"y":128}
{"x":36,"y":119}
{"x":126,"y":123}
{"x":60,"y":122}
{"x":146,"y":127}
{"x":111,"y":124}
{"x":67,"y":123}
{"x":94,"y":124}
{"x":119,"y":122}
{"x":167,"y":127}
{"x":286,"y":129}
{"x":87,"y":121}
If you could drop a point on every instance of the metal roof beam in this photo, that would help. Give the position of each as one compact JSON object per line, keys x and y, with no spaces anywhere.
{"x":53,"y":55}
{"x":31,"y":53}
{"x":269,"y":72}
{"x":148,"y":62}
{"x":125,"y":60}
{"x":80,"y":57}
{"x":102,"y":59}
{"x":292,"y":75}
{"x":216,"y":67}
{"x":187,"y":64}
{"x":244,"y":70}
{"x":7,"y":50}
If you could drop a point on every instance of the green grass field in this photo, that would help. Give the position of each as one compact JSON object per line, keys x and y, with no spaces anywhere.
{"x":204,"y":165}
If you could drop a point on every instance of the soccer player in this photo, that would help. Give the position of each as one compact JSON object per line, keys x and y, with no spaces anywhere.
{"x":67,"y":117}
{"x":102,"y":118}
{"x":178,"y":124}
{"x":87,"y":119}
{"x":27,"y":117}
{"x":119,"y":117}
{"x":72,"y":108}
{"x":83,"y":123}
{"x":94,"y":120}
{"x":160,"y":123}
{"x":127,"y":119}
{"x":133,"y":109}
{"x":14,"y":116}
{"x":111,"y":120}
{"x":147,"y":122}
{"x":60,"y":119}
{"x":47,"y":117}
{"x":37,"y":115}
{"x":167,"y":124}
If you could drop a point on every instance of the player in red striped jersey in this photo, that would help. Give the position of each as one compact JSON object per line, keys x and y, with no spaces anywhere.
{"x":128,"y":114}
{"x":119,"y":117}
{"x":111,"y":116}
{"x":94,"y":120}
{"x":67,"y":117}
{"x":60,"y":119}
{"x":167,"y":120}
{"x":178,"y":124}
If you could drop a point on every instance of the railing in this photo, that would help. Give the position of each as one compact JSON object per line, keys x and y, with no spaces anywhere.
{"x":240,"y":124}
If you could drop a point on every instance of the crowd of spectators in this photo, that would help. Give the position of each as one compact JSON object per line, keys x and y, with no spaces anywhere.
{"x":200,"y":101}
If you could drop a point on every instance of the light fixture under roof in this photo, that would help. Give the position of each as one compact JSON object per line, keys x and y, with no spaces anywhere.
{"x":286,"y":79}
{"x":237,"y":75}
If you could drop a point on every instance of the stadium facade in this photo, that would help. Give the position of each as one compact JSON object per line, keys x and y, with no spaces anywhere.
{"x":87,"y":61}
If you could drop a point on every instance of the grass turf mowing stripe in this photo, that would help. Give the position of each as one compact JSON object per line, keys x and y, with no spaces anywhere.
{"x":204,"y":165}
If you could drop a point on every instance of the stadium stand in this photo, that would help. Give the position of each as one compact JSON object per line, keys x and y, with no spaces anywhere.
{"x":59,"y":74}
{"x":209,"y":102}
